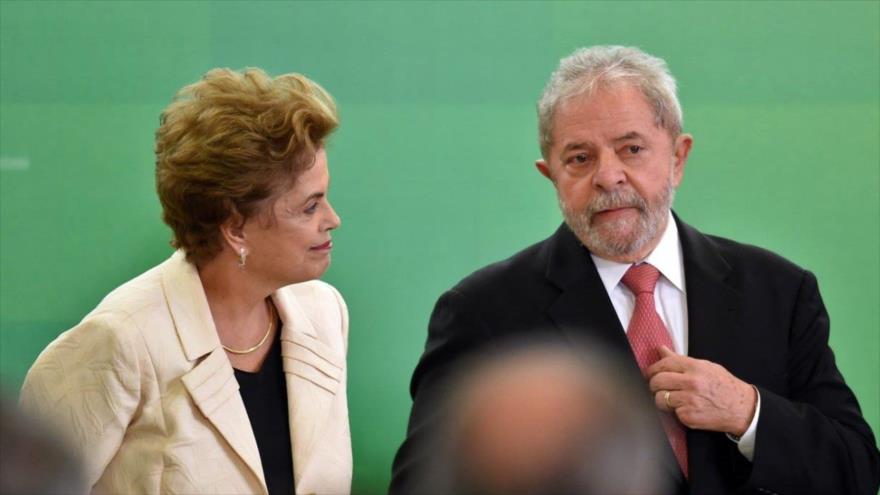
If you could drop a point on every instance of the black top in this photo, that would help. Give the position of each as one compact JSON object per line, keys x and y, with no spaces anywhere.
{"x":265,"y":397}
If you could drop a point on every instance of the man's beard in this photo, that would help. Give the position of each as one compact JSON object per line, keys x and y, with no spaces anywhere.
{"x":620,"y":238}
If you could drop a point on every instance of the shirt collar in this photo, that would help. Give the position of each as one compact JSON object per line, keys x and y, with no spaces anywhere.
{"x":666,"y":257}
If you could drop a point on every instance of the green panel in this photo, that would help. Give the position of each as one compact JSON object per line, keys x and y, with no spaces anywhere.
{"x":432,"y":167}
{"x":738,"y":52}
{"x":393,"y":52}
{"x":98,"y":52}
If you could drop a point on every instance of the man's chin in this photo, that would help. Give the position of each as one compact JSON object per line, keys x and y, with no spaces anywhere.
{"x":617,"y":231}
{"x":612,"y":250}
{"x":610,"y":238}
{"x":613,"y":243}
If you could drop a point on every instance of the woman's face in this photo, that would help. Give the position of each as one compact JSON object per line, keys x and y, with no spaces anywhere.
{"x":294,"y":246}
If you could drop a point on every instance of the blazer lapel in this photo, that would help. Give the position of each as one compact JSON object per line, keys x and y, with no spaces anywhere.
{"x":211,"y":383}
{"x":713,"y":323}
{"x":214,"y":389}
{"x":314,"y":374}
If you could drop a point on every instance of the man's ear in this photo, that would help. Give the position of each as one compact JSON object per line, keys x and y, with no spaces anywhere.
{"x":542,"y":167}
{"x":681,"y":151}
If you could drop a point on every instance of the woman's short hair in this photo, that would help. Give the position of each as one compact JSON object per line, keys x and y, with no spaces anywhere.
{"x":589,"y":68}
{"x":230,"y":143}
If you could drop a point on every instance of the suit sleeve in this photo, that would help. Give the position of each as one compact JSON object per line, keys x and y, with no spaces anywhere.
{"x":815,"y":439}
{"x":86,"y":384}
{"x":454,"y":332}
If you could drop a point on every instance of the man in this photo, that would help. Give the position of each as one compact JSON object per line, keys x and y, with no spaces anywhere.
{"x":732,"y":341}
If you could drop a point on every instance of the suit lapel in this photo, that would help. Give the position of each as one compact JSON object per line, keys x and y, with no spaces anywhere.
{"x":713,"y":305}
{"x":314,"y":373}
{"x":713,"y":315}
{"x":211,"y":383}
{"x":582,"y":310}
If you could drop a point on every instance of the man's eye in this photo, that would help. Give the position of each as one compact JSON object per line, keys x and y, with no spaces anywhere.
{"x":634,"y":149}
{"x":311,"y":209}
{"x":579,"y":158}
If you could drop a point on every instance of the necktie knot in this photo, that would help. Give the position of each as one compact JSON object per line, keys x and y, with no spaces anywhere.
{"x":641,"y":278}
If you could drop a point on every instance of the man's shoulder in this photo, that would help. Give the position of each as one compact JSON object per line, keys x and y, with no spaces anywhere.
{"x":752,"y":261}
{"x":524,"y":270}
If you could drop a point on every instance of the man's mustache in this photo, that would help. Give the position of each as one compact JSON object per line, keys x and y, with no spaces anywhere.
{"x":617,"y":199}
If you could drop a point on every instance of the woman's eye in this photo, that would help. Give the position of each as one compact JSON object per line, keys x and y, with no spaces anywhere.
{"x":312,"y":208}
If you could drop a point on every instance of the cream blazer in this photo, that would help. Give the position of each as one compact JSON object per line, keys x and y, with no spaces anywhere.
{"x":149,"y":399}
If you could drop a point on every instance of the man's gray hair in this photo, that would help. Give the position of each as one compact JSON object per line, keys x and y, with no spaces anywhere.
{"x":600,"y":66}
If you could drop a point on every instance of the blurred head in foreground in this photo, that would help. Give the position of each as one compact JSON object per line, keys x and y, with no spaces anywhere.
{"x":32,"y":458}
{"x":547,"y":418}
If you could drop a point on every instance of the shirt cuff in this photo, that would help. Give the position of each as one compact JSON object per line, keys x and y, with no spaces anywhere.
{"x":746,"y":443}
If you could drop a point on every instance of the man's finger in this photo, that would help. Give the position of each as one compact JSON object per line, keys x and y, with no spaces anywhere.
{"x":666,"y":352}
{"x":668,"y":380}
{"x":665,"y":400}
{"x":674,"y":363}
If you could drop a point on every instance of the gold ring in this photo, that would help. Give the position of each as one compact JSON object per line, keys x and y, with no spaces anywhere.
{"x":666,"y":398}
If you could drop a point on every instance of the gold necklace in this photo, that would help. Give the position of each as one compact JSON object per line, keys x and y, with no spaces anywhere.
{"x":262,"y":341}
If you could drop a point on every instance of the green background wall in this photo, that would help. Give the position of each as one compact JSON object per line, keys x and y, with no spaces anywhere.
{"x":433,"y":165}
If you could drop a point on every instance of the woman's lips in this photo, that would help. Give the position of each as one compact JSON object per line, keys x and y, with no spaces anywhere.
{"x":323,"y":247}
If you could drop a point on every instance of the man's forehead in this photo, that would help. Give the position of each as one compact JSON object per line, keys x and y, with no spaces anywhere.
{"x":604,"y":130}
{"x":607,"y":99}
{"x":616,"y":115}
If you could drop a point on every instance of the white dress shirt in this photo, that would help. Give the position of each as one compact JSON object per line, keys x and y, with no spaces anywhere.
{"x":670,"y":299}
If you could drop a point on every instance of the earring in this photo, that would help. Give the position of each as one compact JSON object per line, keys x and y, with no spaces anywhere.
{"x":242,"y":257}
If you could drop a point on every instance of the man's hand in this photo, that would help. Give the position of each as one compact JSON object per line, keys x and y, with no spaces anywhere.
{"x":703,"y":395}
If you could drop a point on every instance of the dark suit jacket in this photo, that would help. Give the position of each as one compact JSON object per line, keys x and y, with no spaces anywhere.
{"x":756,"y":314}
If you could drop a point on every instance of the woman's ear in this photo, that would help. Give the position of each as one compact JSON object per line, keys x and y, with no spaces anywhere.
{"x":232,"y":231}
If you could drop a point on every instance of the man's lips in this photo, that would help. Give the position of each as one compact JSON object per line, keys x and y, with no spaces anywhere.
{"x":323,"y":247}
{"x":612,"y":211}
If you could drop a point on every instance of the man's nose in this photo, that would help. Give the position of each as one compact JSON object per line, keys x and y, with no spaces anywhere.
{"x":610,"y":173}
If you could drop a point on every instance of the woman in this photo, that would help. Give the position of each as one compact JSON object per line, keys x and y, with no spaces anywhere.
{"x":211,"y":373}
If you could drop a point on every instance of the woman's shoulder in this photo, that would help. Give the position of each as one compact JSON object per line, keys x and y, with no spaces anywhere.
{"x":320,"y":303}
{"x":313,"y":291}
{"x":102,"y":354}
{"x":113,"y":327}
{"x":142,"y":293}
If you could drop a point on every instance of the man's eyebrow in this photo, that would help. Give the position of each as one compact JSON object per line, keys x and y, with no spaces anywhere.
{"x":575,"y":145}
{"x":629,"y":135}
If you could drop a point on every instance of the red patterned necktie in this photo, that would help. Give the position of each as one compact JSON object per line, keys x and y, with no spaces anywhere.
{"x":646,"y":333}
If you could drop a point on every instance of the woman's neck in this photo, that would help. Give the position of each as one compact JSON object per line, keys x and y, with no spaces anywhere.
{"x":240,"y":310}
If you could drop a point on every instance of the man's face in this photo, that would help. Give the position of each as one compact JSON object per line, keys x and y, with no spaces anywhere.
{"x":615,"y":171}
